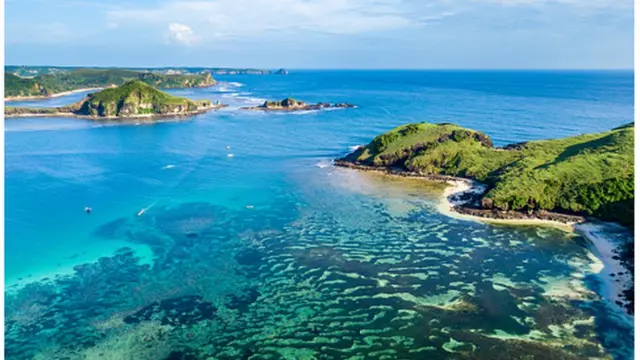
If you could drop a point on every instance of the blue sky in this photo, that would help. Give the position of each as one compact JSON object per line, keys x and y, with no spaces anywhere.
{"x":503,"y":34}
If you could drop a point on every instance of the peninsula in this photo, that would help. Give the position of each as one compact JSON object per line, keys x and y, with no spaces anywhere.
{"x":290,"y":104}
{"x":586,"y":175}
{"x":134,"y":99}
{"x":64,"y":82}
{"x":569,"y":180}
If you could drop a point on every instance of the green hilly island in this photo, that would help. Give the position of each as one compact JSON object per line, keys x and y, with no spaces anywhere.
{"x":132,"y":99}
{"x":588,"y":174}
{"x":44,"y":85}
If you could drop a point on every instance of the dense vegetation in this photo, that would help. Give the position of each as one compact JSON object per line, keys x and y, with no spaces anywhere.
{"x":134,"y":98}
{"x":586,"y":174}
{"x":17,"y":86}
{"x":49,"y":84}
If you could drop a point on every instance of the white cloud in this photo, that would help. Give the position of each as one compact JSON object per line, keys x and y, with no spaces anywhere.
{"x":225,"y":19}
{"x":181,"y":34}
{"x":598,"y":4}
{"x":220,"y":20}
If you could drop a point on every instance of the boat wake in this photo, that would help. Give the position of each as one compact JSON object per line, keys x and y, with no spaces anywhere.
{"x":142,"y":211}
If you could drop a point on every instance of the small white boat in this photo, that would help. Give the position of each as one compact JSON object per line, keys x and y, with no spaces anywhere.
{"x":141,"y":212}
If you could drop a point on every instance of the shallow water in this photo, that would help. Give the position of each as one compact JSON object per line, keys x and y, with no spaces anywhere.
{"x":271,"y":253}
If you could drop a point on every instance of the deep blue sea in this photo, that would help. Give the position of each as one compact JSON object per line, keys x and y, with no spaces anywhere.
{"x":264,"y":250}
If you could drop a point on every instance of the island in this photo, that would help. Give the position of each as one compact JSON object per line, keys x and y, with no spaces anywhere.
{"x":134,"y":99}
{"x":282,"y":72}
{"x":63,"y":82}
{"x":32,"y":71}
{"x":579,"y":180}
{"x":585,"y":175}
{"x":290,"y":104}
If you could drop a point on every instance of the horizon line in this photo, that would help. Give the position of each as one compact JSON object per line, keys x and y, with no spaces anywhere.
{"x":320,"y":69}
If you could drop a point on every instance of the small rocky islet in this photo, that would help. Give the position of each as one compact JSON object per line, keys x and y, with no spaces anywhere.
{"x":134,"y":99}
{"x":291,"y":104}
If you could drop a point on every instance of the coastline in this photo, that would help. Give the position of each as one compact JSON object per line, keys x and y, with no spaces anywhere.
{"x":42,"y":97}
{"x":462,"y":191}
{"x":137,"y":116}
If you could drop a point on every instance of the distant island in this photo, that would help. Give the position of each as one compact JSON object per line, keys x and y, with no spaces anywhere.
{"x":64,"y":82}
{"x":134,"y":99}
{"x":32,"y":71}
{"x":290,"y":104}
{"x":585,"y":175}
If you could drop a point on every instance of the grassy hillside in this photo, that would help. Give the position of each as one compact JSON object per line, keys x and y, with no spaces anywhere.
{"x":587,"y":174}
{"x":49,"y":84}
{"x":134,"y":98}
{"x":17,"y":86}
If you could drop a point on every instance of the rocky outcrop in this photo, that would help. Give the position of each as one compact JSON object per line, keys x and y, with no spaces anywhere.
{"x":519,"y":215}
{"x":282,"y":72}
{"x":291,"y":104}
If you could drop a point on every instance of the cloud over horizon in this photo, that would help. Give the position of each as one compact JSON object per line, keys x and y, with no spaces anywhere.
{"x":181,"y":34}
{"x":388,"y":33}
{"x":238,"y":19}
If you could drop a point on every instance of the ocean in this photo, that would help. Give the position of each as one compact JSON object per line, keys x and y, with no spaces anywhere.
{"x":252,"y":245}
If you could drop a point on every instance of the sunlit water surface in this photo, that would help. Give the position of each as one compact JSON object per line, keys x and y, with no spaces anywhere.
{"x":265,"y":250}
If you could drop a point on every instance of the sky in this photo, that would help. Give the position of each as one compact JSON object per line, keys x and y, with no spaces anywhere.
{"x":322,"y":34}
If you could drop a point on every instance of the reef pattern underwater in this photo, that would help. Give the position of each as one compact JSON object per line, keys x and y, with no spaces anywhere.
{"x":329,"y":273}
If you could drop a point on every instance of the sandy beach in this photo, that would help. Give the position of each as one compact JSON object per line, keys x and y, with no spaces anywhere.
{"x":601,"y":244}
{"x":464,"y":186}
{"x":64,"y":93}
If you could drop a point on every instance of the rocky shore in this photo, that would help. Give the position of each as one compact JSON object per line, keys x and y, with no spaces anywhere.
{"x":290,"y":104}
{"x":469,"y":202}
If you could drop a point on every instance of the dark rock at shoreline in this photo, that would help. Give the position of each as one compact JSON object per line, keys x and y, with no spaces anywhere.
{"x":291,"y":104}
{"x":518,"y":215}
{"x":472,"y":203}
{"x":344,"y":162}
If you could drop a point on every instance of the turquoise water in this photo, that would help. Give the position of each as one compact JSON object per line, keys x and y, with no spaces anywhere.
{"x":274,"y":253}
